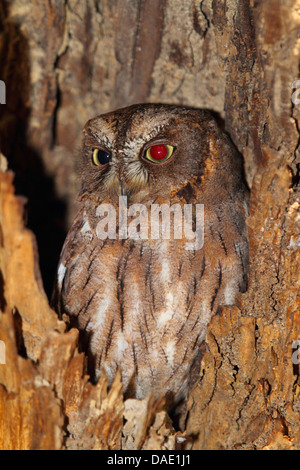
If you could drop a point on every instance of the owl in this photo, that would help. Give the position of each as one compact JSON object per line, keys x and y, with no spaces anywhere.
{"x":142,"y":297}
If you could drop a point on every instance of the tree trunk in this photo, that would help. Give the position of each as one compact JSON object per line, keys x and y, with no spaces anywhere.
{"x":64,"y":62}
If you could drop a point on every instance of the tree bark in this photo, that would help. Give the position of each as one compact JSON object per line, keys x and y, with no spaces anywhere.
{"x":65,"y":62}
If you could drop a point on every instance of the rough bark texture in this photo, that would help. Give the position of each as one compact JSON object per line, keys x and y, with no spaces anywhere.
{"x":64,"y":62}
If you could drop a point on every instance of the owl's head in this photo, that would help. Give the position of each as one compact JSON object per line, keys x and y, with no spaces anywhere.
{"x":147,"y":151}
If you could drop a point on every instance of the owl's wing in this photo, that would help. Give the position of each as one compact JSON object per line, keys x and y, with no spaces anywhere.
{"x":71,"y":251}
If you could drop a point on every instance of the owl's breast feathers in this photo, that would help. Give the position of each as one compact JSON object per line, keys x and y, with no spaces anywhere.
{"x":144,"y":305}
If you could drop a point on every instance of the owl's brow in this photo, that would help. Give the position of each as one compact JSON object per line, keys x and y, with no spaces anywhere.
{"x":136,"y":144}
{"x":155,"y":131}
{"x":102,"y":139}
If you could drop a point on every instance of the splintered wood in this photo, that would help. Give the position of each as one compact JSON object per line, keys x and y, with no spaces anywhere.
{"x":46,"y":399}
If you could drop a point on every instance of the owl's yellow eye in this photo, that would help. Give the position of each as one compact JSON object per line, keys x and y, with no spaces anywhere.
{"x":100,"y":157}
{"x":159,"y":153}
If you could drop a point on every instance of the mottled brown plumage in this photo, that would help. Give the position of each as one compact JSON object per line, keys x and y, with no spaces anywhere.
{"x":144,"y":305}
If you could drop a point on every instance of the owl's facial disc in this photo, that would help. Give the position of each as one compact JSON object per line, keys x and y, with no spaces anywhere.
{"x":141,"y":162}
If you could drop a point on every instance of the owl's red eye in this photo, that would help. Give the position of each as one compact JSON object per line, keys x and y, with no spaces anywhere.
{"x":159,"y":153}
